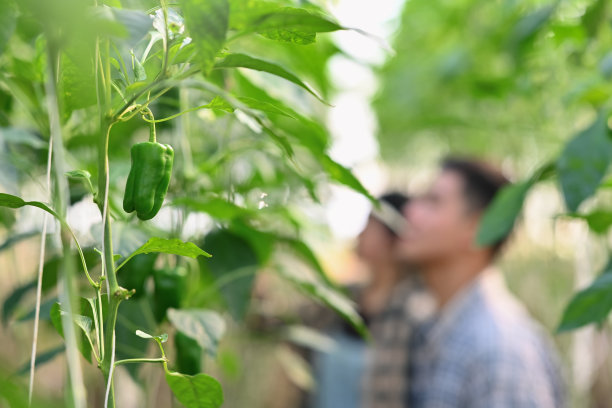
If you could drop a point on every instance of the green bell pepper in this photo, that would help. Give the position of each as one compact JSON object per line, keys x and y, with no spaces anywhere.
{"x":149,"y":178}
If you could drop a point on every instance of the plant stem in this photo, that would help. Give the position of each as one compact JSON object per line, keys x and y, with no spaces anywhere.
{"x":115,"y":293}
{"x":61,"y":200}
{"x":140,"y":360}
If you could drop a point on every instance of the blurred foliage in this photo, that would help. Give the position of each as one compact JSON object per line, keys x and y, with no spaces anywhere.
{"x":512,"y":79}
{"x":239,"y":88}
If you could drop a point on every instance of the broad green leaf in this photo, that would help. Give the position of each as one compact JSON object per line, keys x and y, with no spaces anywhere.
{"x":137,"y":23}
{"x":84,"y":323}
{"x":285,"y":24}
{"x":595,"y":17}
{"x":77,"y":79}
{"x":293,"y":25}
{"x":295,"y":19}
{"x":195,"y":391}
{"x":204,"y":326}
{"x":591,"y":305}
{"x":45,"y":309}
{"x":207,"y":22}
{"x":42,"y":358}
{"x":498,"y":220}
{"x":344,"y":176}
{"x":233,"y":275}
{"x":12,"y":301}
{"x":305,"y":131}
{"x":168,"y":246}
{"x":584,"y":162}
{"x":246,"y":61}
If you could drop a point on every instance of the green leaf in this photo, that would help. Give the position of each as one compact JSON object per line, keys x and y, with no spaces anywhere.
{"x":267,"y":107}
{"x":204,"y":326}
{"x":529,"y":26}
{"x":330,"y":297}
{"x":83,"y":322}
{"x":195,"y":391}
{"x":233,"y":275}
{"x":584,"y":162}
{"x":42,"y":358}
{"x":168,"y":246}
{"x":79,"y":174}
{"x":83,"y":175}
{"x":139,"y":71}
{"x":246,"y":61}
{"x":285,"y":24}
{"x":11,"y":201}
{"x":599,"y":221}
{"x":161,"y":337}
{"x":77,"y":79}
{"x":344,"y":176}
{"x":499,"y":218}
{"x":218,"y":103}
{"x":207,"y":22}
{"x":591,"y":305}
{"x":307,"y":255}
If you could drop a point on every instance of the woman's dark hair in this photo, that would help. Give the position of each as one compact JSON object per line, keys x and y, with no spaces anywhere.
{"x":396,"y":200}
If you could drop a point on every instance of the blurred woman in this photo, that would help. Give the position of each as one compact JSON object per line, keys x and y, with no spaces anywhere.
{"x":356,"y":373}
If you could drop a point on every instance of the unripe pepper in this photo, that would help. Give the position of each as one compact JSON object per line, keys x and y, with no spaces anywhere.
{"x":170,"y":288}
{"x":149,"y":177}
{"x":188,"y":354}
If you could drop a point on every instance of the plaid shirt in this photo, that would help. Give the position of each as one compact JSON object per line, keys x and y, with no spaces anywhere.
{"x":384,"y":380}
{"x":483,"y":350}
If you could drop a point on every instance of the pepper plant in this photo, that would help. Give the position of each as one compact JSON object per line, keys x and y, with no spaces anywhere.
{"x":81,"y":83}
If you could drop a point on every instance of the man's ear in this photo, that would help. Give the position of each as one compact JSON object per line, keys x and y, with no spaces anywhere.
{"x":472,"y":225}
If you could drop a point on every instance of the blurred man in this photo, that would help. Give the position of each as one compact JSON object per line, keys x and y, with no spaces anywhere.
{"x":480,"y":349}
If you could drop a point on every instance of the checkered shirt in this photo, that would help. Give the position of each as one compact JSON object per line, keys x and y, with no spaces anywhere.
{"x":483,"y":351}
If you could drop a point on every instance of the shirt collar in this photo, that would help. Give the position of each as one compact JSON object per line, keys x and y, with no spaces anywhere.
{"x":489,"y":282}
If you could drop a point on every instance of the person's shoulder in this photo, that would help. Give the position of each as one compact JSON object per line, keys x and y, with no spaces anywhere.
{"x":495,"y":324}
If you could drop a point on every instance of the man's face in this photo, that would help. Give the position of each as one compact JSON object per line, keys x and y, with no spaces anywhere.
{"x":440,"y":225}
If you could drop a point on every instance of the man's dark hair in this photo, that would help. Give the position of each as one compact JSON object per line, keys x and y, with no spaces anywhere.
{"x":481,"y":184}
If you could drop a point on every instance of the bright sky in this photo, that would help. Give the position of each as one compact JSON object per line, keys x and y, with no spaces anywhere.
{"x":352,"y":121}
